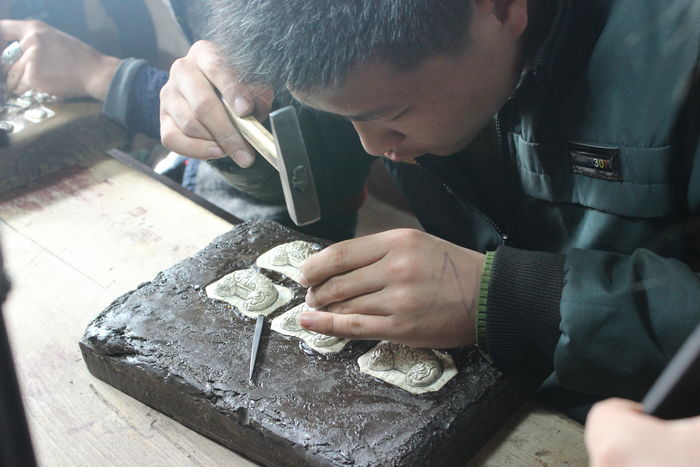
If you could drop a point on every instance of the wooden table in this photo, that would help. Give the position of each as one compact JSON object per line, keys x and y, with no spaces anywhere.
{"x":76,"y":240}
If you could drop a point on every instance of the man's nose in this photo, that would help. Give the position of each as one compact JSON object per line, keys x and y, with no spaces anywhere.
{"x":377,"y":140}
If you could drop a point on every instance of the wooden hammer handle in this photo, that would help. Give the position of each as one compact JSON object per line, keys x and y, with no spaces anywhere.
{"x":256,"y":134}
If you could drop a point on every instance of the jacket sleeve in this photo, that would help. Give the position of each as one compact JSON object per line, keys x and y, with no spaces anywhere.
{"x":606,"y":323}
{"x":133,"y":97}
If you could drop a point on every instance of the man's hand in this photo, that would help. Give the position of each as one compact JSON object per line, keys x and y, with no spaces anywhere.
{"x":619,"y":434}
{"x":402,"y":285}
{"x":193,"y":121}
{"x":55,"y":62}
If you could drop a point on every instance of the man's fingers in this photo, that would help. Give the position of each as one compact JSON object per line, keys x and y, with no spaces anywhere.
{"x":178,"y":142}
{"x":618,"y":405}
{"x":177,"y":108}
{"x":260,"y":98}
{"x":348,"y":326}
{"x":244,"y":99}
{"x":209,"y":58}
{"x":15,"y":74}
{"x":209,"y":111}
{"x":344,"y":287}
{"x":193,"y":107}
{"x":342,"y":257}
{"x":371,"y":304}
{"x":263,"y":103}
{"x":11,"y":29}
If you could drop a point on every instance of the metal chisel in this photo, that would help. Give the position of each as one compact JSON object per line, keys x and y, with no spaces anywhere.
{"x":256,"y":343}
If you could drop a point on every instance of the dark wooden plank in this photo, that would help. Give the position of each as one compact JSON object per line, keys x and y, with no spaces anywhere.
{"x":76,"y":134}
{"x":170,"y":346}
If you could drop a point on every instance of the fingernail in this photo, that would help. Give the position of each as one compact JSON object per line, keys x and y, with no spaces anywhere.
{"x":307,"y":320}
{"x":243,"y":158}
{"x":242,"y":106}
{"x":302,"y":280}
{"x":215,"y":152}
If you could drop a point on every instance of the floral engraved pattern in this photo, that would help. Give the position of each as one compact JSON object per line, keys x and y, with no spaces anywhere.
{"x":256,"y":290}
{"x":421,"y":366}
{"x":292,"y":254}
{"x":288,"y":257}
{"x":288,"y":323}
{"x":251,"y":292}
{"x":414,"y":370}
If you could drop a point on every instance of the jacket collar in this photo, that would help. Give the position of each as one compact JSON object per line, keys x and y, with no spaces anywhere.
{"x":548,"y":53}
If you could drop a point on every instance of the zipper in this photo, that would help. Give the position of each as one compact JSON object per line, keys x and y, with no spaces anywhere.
{"x":506,"y":169}
{"x":430,"y":168}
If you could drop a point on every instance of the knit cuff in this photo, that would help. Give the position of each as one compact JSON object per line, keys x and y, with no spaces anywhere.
{"x":522,"y":311}
{"x":481,"y":341}
{"x":116,"y":103}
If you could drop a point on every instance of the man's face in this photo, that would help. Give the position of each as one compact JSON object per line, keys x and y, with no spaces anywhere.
{"x":439,"y":107}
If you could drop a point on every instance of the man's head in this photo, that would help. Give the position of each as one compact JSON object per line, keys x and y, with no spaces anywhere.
{"x":414,"y":76}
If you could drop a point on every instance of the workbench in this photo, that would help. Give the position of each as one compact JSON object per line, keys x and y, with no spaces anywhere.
{"x":79,"y":237}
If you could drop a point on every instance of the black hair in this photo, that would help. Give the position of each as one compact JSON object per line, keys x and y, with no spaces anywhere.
{"x":314,"y":44}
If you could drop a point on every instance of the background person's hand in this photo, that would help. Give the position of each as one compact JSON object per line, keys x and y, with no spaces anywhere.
{"x":193,"y":121}
{"x":619,"y":434}
{"x":403,"y":285}
{"x":55,"y":62}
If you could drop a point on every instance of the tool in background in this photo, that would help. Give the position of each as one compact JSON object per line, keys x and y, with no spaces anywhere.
{"x":286,"y":151}
{"x":676,"y":393}
{"x":256,"y":344}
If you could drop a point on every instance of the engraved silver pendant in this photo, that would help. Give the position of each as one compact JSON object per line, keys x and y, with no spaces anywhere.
{"x":249,"y":291}
{"x":292,"y":254}
{"x":421,"y":366}
{"x":256,"y":290}
{"x":288,"y":324}
{"x":414,"y":370}
{"x":288,"y":257}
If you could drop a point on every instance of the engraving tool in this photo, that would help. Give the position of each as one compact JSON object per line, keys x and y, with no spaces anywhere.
{"x":256,"y":344}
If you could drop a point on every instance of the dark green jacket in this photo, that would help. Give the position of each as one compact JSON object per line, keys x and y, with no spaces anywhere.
{"x":595,"y":192}
{"x":587,"y":188}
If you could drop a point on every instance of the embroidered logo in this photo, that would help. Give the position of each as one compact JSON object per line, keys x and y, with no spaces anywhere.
{"x":596,"y":162}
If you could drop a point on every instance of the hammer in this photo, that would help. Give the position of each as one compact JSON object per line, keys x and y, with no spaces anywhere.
{"x":285,"y":150}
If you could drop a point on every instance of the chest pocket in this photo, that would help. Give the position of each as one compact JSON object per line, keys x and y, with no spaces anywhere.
{"x":630,"y":182}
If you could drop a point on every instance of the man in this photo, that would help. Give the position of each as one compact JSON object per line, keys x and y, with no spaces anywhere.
{"x":559,"y":233}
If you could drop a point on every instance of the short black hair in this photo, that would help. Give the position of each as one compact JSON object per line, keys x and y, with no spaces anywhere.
{"x":314,"y":44}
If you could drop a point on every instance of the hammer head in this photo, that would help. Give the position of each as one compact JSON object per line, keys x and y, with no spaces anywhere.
{"x":294,"y":167}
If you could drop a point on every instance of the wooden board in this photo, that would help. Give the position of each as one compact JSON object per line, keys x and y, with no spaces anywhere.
{"x":173,"y":347}
{"x":76,"y":134}
{"x":79,"y":239}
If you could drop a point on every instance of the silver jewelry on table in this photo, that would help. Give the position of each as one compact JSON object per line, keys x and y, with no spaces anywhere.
{"x":7,"y":126}
{"x":36,"y":114}
{"x":11,"y":54}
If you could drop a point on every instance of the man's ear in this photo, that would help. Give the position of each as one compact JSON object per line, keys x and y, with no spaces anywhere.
{"x":512,"y":14}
